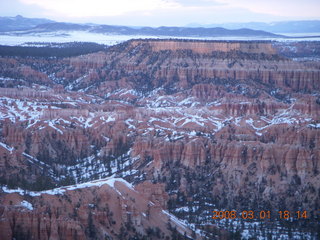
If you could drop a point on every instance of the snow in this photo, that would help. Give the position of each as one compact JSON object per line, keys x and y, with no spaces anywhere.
{"x":182,"y":209}
{"x":177,"y":222}
{"x":245,"y":234}
{"x":127,"y":91}
{"x":27,"y":205}
{"x":18,"y":190}
{"x":32,"y":124}
{"x":64,"y":121}
{"x":175,"y":219}
{"x":35,"y":160}
{"x":258,"y":133}
{"x":61,"y":190}
{"x":18,"y":110}
{"x":187,"y":101}
{"x":130,"y":126}
{"x":112,"y":181}
{"x":285,"y":116}
{"x":237,"y":121}
{"x":61,"y":36}
{"x":316,"y":125}
{"x":217,"y":122}
{"x":67,"y":36}
{"x":109,"y":119}
{"x":88,"y":123}
{"x":106,"y":138}
{"x":76,"y":82}
{"x":251,"y":229}
{"x":178,"y":118}
{"x":10,"y":149}
{"x":192,"y":120}
{"x":193,"y":133}
{"x":55,"y":128}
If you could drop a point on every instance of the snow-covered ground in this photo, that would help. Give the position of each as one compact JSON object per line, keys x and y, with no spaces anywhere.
{"x":14,"y":39}
{"x":63,"y":37}
{"x":27,"y":205}
{"x":61,"y":190}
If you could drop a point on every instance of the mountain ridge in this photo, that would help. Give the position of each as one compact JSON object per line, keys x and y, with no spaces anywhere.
{"x":303,"y":26}
{"x":45,"y":25}
{"x":20,"y":23}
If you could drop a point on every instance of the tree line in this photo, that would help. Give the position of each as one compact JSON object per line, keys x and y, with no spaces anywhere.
{"x":56,"y":50}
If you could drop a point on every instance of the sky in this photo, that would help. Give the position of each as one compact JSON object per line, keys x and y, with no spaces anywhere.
{"x":163,"y":12}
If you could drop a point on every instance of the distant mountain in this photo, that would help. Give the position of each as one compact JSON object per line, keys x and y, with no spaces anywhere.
{"x":183,"y":31}
{"x":20,"y":23}
{"x":260,"y":29}
{"x":149,"y":31}
{"x":39,"y":25}
{"x":274,"y":27}
{"x":58,"y":26}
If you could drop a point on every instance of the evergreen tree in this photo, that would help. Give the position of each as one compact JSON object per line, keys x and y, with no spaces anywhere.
{"x":91,"y":230}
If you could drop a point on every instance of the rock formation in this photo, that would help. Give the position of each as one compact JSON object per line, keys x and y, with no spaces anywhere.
{"x":194,"y":125}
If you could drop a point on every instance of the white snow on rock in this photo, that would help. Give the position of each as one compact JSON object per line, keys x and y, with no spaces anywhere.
{"x":27,"y":205}
{"x":316,"y":125}
{"x":109,"y":119}
{"x":35,"y":160}
{"x":61,"y":190}
{"x":10,"y":149}
{"x":129,"y":124}
{"x":183,"y":226}
{"x":55,"y":128}
{"x":62,"y":36}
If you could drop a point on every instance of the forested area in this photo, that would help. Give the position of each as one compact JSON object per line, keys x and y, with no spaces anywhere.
{"x":56,"y":50}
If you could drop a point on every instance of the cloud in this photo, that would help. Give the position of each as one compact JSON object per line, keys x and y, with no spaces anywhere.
{"x":284,"y":8}
{"x":167,"y":12}
{"x":85,"y":8}
{"x":199,"y":3}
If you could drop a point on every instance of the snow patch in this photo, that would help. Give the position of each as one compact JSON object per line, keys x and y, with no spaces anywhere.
{"x":10,"y":149}
{"x":316,"y":125}
{"x":61,"y":190}
{"x":130,"y":126}
{"x":27,"y":205}
{"x":55,"y":128}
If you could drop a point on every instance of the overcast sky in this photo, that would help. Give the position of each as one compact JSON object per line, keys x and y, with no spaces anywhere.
{"x":163,"y":12}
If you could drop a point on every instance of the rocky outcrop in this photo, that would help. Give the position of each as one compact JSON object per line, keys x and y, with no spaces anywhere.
{"x":210,"y":66}
{"x":93,"y":61}
{"x":112,"y":209}
{"x":24,"y":92}
{"x":208,"y":47}
{"x":56,"y":113}
{"x":147,"y":64}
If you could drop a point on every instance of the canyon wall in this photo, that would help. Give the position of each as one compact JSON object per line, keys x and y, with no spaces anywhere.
{"x":208,"y":47}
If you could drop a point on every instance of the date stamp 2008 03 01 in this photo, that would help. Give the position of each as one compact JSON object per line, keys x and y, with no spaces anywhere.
{"x":259,"y":215}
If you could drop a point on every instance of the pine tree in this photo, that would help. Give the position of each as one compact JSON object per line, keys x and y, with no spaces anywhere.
{"x":91,"y":230}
